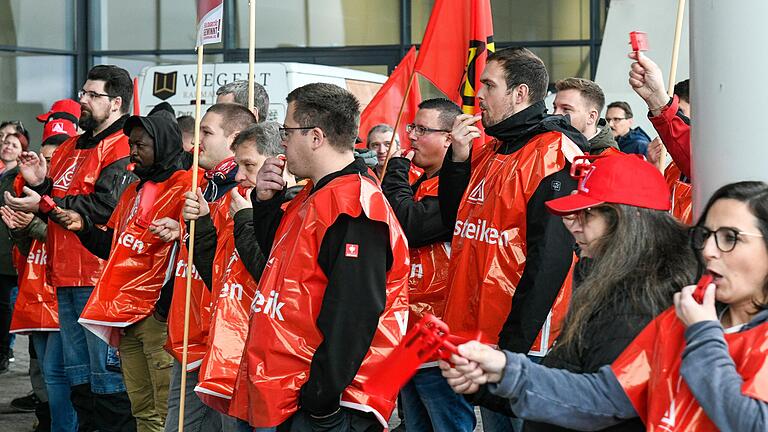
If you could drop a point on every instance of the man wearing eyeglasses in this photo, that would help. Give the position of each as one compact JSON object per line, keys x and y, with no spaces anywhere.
{"x":509,"y":275}
{"x":428,"y":401}
{"x":631,"y":140}
{"x":88,"y":174}
{"x":332,"y":301}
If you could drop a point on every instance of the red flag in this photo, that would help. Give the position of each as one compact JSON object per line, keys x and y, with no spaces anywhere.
{"x":385,"y":106}
{"x":209,"y":19}
{"x":455,"y":47}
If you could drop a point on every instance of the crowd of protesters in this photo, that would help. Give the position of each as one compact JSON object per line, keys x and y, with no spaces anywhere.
{"x":556,"y":251}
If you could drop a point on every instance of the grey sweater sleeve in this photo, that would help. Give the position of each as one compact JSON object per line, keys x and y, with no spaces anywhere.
{"x":711,"y":375}
{"x":575,"y":401}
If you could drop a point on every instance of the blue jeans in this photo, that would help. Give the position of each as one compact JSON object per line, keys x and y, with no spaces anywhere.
{"x":85,"y":355}
{"x":431,"y":405}
{"x":50,"y":357}
{"x":14,"y":296}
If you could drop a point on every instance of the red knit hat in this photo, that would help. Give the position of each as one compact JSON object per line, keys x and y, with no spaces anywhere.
{"x":618,"y":179}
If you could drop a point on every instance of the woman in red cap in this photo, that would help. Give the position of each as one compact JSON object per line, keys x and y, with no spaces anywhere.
{"x":702,"y":365}
{"x":633,"y":256}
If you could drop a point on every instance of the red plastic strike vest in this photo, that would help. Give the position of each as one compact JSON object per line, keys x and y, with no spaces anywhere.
{"x":36,"y":306}
{"x":427,"y":284}
{"x":682,"y":196}
{"x":610,"y":151}
{"x":649,"y":372}
{"x":200,"y":303}
{"x":232,"y":294}
{"x":283,"y":335}
{"x":74,"y":172}
{"x":488,"y":250}
{"x":138,"y":261}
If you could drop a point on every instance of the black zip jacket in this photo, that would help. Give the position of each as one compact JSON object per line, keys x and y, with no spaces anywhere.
{"x":421,"y":221}
{"x":112,"y":181}
{"x":549,"y":244}
{"x":354,"y":298}
{"x":206,"y":238}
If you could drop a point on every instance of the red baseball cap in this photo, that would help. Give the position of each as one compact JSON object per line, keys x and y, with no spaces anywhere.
{"x":64,"y":108}
{"x":58,"y":127}
{"x":619,"y":179}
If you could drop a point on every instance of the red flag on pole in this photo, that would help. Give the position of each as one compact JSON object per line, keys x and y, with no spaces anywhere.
{"x":209,"y":18}
{"x":385,"y":106}
{"x":455,"y":47}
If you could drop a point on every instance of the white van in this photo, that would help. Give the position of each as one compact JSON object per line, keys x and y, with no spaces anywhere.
{"x":175,"y":84}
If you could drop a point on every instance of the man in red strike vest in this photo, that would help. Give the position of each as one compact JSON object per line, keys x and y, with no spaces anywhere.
{"x":219,"y":127}
{"x":428,"y":401}
{"x":509,"y":275}
{"x":332,"y":301}
{"x":88,"y":174}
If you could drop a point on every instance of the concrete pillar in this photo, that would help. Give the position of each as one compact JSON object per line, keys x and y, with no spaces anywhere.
{"x":728,"y":44}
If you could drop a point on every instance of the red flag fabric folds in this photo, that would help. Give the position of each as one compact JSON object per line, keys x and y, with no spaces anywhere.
{"x":385,"y":106}
{"x":455,"y":47}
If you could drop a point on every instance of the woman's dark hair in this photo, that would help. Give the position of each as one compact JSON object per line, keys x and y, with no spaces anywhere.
{"x":755,"y":195}
{"x":640,"y":262}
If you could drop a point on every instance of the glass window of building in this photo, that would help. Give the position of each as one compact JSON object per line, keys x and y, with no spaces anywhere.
{"x":320,"y":23}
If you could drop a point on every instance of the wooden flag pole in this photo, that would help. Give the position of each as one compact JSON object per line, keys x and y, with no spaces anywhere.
{"x":191,"y":248}
{"x":397,"y":124}
{"x":673,"y":68}
{"x":252,"y":54}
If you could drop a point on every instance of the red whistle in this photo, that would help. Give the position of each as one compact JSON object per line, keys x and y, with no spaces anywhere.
{"x":146,"y":204}
{"x":701,"y":287}
{"x":282,"y":158}
{"x":638,"y":40}
{"x":429,"y":337}
{"x":242,"y":190}
{"x":131,"y":166}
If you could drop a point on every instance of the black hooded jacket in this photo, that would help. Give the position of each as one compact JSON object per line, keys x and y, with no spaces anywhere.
{"x":162,"y":127}
{"x":549,"y":244}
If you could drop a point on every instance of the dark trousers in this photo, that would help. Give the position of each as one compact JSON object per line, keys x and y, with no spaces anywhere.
{"x":7,"y":283}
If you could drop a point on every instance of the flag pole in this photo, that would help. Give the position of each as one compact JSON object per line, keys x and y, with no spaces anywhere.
{"x":252,"y":53}
{"x":397,"y":123}
{"x":673,"y":68}
{"x":136,"y":106}
{"x":191,"y":248}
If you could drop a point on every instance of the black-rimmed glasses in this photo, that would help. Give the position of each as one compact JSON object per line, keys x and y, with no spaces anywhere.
{"x":284,"y":130}
{"x":725,"y":237}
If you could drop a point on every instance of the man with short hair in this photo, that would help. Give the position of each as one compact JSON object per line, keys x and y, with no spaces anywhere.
{"x":428,"y":401}
{"x":226,"y":235}
{"x":630,"y":140}
{"x":138,"y":264}
{"x":187,"y":126}
{"x":511,"y":260}
{"x":334,"y":283}
{"x":88,"y":174}
{"x":583,"y":100}
{"x":379,"y":139}
{"x":237,"y":92}
{"x":218,"y":129}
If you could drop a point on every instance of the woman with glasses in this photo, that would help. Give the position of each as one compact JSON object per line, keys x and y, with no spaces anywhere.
{"x":633,"y":256}
{"x":700,"y":366}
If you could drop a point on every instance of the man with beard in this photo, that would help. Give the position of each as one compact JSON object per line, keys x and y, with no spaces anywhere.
{"x":137,"y":264}
{"x":88,"y":174}
{"x":510,"y":259}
